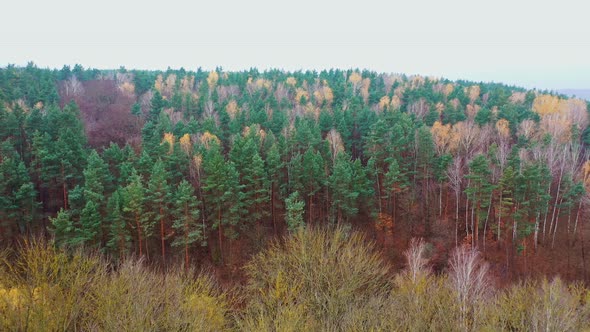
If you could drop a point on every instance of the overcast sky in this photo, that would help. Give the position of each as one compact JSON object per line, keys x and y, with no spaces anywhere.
{"x":542,"y":44}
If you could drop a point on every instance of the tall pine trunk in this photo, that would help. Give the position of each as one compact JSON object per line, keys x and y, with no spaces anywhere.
{"x":162,"y":235}
{"x":138,"y":234}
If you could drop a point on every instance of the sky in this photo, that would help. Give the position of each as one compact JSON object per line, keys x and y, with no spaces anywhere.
{"x":536,"y":44}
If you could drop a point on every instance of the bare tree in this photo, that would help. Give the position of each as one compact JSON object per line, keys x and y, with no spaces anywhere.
{"x":469,"y":280}
{"x":455,"y":175}
{"x":417,"y":263}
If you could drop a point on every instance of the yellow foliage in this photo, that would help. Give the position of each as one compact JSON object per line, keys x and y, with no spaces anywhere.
{"x":440,"y":107}
{"x":198,"y":162}
{"x":355,"y":78}
{"x":187,"y":83}
{"x":319,"y":97}
{"x":185,"y":144}
{"x":159,"y":83}
{"x":472,"y":110}
{"x":448,"y":89}
{"x":474,"y":92}
{"x":546,"y":104}
{"x":291,"y":81}
{"x":212,"y":80}
{"x":396,"y":102}
{"x":169,"y":85}
{"x":384,"y":102}
{"x":169,"y":138}
{"x":127,"y":88}
{"x":262,"y":83}
{"x":300,"y":92}
{"x":39,"y":105}
{"x":444,"y":137}
{"x":232,"y":109}
{"x":208,"y":308}
{"x":365,"y":89}
{"x":416,"y":81}
{"x":207,"y":138}
{"x":503,"y":128}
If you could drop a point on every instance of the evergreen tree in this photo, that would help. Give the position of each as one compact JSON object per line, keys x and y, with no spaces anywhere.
{"x":88,"y":234}
{"x":134,"y":210}
{"x":294,"y":214}
{"x":119,"y":237}
{"x":274,"y":166}
{"x":223,"y":193}
{"x":479,"y":192}
{"x":395,"y":182}
{"x":96,"y":178}
{"x":342,"y":189}
{"x":186,"y":219}
{"x":63,"y":228}
{"x":158,"y":194}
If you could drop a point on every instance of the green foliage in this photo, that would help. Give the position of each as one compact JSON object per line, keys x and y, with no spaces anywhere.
{"x":186,"y":217}
{"x":341,"y":184}
{"x":119,"y":236}
{"x":294,"y":212}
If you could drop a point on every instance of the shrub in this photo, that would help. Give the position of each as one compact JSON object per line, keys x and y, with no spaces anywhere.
{"x":317,"y":279}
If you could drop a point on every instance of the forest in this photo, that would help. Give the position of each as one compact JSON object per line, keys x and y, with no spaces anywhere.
{"x":406,"y":188}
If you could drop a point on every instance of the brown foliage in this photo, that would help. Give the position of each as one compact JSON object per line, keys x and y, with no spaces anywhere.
{"x":106,"y":112}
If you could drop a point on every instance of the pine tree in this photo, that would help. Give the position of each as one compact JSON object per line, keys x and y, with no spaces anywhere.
{"x":186,"y":219}
{"x":88,"y":233}
{"x":158,"y":194}
{"x":255,"y":182}
{"x":63,"y":228}
{"x":96,"y":178}
{"x":134,"y":210}
{"x":223,"y":193}
{"x":479,"y":191}
{"x":274,"y":166}
{"x":341,"y":185}
{"x":425,"y":157}
{"x":119,"y":237}
{"x":157,"y":105}
{"x":394,"y":182}
{"x":294,"y":214}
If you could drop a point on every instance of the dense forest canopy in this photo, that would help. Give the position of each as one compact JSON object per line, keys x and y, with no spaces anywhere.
{"x":205,"y":165}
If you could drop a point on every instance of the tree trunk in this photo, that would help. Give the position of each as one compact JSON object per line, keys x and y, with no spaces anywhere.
{"x":272,"y":206}
{"x":457,"y":196}
{"x":186,"y":213}
{"x":219,"y":232}
{"x":577,"y":217}
{"x":138,"y":234}
{"x":64,"y":188}
{"x":553,"y":219}
{"x":162,"y":235}
{"x":379,"y":192}
{"x":556,"y":222}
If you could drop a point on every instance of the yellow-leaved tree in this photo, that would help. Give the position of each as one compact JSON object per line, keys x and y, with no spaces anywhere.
{"x":169,"y":138}
{"x":212,"y":79}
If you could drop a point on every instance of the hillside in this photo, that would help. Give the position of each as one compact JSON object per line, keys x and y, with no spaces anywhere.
{"x":204,"y":168}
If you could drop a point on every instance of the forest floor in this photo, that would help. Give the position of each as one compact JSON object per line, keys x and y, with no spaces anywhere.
{"x":507,"y":264}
